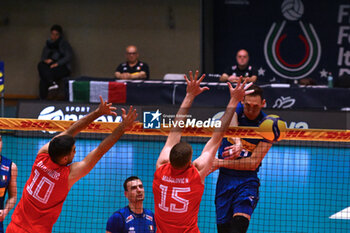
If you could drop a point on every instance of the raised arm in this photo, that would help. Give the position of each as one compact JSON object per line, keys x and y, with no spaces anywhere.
{"x":82,"y":168}
{"x":103,"y":109}
{"x":204,"y":162}
{"x":193,"y":89}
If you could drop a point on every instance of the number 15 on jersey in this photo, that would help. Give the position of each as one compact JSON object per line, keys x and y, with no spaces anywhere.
{"x":180,"y":205}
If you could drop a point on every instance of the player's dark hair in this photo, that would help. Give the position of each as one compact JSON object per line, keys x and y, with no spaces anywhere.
{"x":60,"y":146}
{"x":131,"y":178}
{"x":258,"y":91}
{"x":57,"y":28}
{"x":180,"y":155}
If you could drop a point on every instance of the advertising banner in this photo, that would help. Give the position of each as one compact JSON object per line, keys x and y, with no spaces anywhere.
{"x":74,"y":111}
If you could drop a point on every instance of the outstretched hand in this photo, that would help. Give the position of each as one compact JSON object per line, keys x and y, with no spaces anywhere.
{"x":240,"y":90}
{"x":130,"y":117}
{"x":193,"y":85}
{"x":106,"y":108}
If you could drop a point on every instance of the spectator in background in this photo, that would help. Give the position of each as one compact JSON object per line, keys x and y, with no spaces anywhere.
{"x":132,"y":68}
{"x":242,"y":68}
{"x":55,"y":61}
{"x":132,"y":218}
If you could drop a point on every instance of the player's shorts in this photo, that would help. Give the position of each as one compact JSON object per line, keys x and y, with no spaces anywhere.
{"x":235,"y":195}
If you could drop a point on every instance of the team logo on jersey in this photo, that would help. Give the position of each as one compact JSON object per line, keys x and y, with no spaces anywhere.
{"x":292,"y":10}
{"x":151,"y":120}
{"x":151,"y":228}
{"x":5,"y":168}
{"x":129,"y":218}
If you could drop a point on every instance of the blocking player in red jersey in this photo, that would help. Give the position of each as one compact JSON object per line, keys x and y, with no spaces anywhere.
{"x":178,"y":183}
{"x":53,"y":175}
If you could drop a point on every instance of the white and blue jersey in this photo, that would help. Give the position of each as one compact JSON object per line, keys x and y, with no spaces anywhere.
{"x":126,"y":221}
{"x":5,"y":177}
{"x":237,"y":191}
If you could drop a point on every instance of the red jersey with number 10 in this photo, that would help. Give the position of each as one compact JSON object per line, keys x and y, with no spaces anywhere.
{"x":177,"y":196}
{"x":43,"y":196}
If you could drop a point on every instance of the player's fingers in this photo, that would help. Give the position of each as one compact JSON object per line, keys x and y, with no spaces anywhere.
{"x":123,"y":111}
{"x":130,"y":110}
{"x":249,"y":92}
{"x":244,"y":82}
{"x":101,"y":100}
{"x":229,"y":85}
{"x":191,"y":75}
{"x":201,"y":78}
{"x":132,"y":113}
{"x":204,"y":89}
{"x":248,"y":85}
{"x":196,"y":75}
{"x":239,"y":82}
{"x":230,"y":151}
{"x":108,"y":104}
{"x":186,"y":79}
{"x":135,"y":115}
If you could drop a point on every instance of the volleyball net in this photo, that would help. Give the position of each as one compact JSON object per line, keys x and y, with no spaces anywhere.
{"x":304,"y":179}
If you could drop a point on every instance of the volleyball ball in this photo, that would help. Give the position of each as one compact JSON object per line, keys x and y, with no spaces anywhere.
{"x":272,"y":128}
{"x":292,"y":9}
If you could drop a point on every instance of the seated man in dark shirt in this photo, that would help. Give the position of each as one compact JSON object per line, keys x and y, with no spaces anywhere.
{"x":55,"y":61}
{"x":132,"y":68}
{"x":242,"y":68}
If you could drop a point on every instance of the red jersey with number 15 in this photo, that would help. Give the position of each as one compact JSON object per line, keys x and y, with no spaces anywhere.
{"x":177,"y":196}
{"x":43,"y":196}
